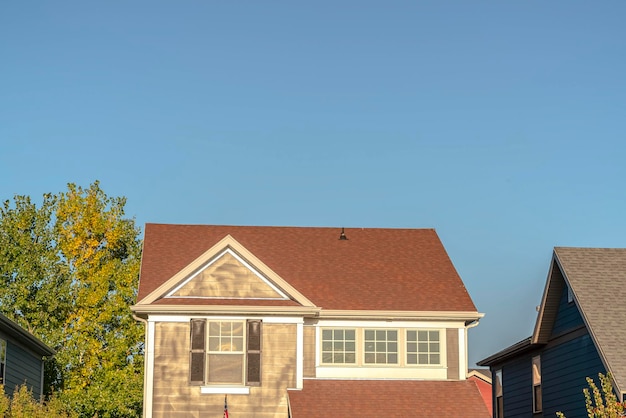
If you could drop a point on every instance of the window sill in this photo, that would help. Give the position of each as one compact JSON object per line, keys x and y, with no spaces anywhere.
{"x":226,"y":390}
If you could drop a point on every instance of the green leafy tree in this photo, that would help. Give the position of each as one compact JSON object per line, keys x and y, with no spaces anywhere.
{"x":601,"y":402}
{"x":69,"y":271}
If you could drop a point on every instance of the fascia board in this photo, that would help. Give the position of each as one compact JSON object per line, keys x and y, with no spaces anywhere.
{"x":411,"y":315}
{"x":143,"y":310}
{"x":544,"y":298}
{"x":225,"y":243}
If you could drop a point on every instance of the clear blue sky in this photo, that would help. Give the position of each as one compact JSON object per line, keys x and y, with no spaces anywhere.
{"x":499,"y":124}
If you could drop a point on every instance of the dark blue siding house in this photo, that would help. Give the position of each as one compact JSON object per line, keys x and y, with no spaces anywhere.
{"x":21,"y":358}
{"x":579,"y":332}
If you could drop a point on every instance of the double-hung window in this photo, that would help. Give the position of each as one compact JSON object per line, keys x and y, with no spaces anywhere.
{"x":225,"y":352}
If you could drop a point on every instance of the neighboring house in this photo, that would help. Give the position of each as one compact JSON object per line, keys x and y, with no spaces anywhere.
{"x":21,"y":358}
{"x":579,"y":332}
{"x":482,"y":377}
{"x":303,"y":322}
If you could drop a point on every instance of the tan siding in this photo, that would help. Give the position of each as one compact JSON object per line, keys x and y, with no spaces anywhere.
{"x":309,"y":351}
{"x":227,"y":277}
{"x":174,"y":397}
{"x":452,"y":348}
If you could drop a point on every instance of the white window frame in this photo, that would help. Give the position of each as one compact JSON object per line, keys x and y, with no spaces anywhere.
{"x":336,"y":344}
{"x":424,"y":347}
{"x":398,"y":348}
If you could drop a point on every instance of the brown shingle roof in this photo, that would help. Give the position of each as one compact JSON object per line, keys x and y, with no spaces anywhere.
{"x":388,"y":398}
{"x":597,"y":277}
{"x":375,"y":269}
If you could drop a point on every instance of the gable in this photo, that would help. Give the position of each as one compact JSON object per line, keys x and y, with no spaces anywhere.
{"x":225,"y":272}
{"x":568,"y":316}
{"x":227,"y":276}
{"x":550,"y":304}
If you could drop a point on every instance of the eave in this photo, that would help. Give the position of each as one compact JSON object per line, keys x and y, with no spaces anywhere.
{"x":35,"y":344}
{"x":510,"y":352}
{"x":143,"y":310}
{"x":467,"y":317}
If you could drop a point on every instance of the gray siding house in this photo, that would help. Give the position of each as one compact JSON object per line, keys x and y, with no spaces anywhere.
{"x":579,"y":332}
{"x":21,"y":357}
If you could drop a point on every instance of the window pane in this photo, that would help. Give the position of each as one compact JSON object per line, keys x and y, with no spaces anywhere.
{"x":350,"y":346}
{"x":434,"y":359}
{"x":237,"y":329}
{"x":369,"y":358}
{"x":350,"y":358}
{"x":225,"y":368}
{"x":327,"y":334}
{"x":422,"y":347}
{"x":350,"y":334}
{"x":339,"y":358}
{"x":327,"y":346}
{"x":411,"y":335}
{"x":236,"y":344}
{"x":381,"y":346}
{"x":392,"y":347}
{"x":392,"y":335}
{"x":338,"y":334}
{"x":411,"y":358}
{"x":214,"y":328}
{"x":380,"y":335}
{"x":214,"y":343}
{"x":433,"y":335}
{"x":423,"y":358}
{"x":369,"y":334}
{"x":327,"y":357}
{"x":392,"y":358}
{"x":434,"y":347}
{"x":422,"y":335}
{"x":411,"y":347}
{"x":381,"y":358}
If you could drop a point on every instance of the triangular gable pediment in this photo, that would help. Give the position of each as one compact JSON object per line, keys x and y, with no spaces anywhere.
{"x":227,"y":276}
{"x":226,"y":271}
{"x":549,"y":303}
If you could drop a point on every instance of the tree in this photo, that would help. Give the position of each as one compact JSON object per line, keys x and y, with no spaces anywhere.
{"x":601,"y":404}
{"x":70,"y":271}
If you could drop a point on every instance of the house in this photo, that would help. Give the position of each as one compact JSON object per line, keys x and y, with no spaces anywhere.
{"x":303,"y":322}
{"x":579,"y":333}
{"x":21,"y":358}
{"x":482,"y":377}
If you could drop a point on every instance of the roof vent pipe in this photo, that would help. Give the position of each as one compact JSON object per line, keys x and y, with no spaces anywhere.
{"x":343,"y":237}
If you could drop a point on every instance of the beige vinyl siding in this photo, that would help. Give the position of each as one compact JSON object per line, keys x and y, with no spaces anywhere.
{"x":309,"y":351}
{"x":174,"y":397}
